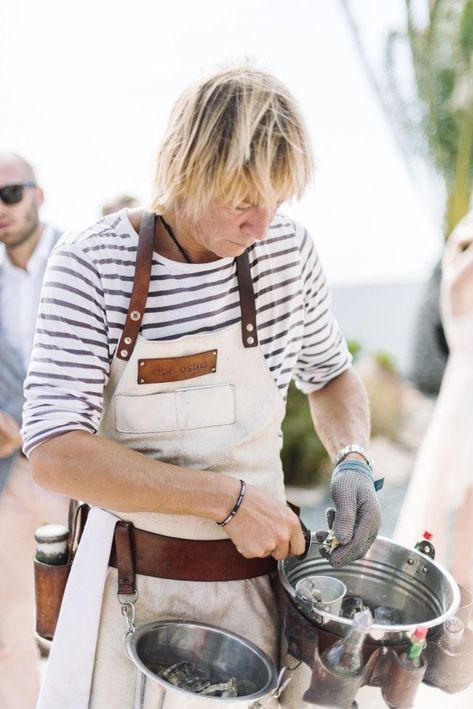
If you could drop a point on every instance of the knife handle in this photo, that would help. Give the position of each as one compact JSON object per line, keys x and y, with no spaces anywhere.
{"x":308,"y":540}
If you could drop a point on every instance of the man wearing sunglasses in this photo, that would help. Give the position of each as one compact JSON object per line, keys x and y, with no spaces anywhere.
{"x":25,"y":244}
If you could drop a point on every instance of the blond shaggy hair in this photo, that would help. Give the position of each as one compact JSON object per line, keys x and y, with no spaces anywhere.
{"x":234,"y":136}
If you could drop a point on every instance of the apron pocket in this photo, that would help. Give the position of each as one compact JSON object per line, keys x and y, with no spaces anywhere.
{"x":179,"y":410}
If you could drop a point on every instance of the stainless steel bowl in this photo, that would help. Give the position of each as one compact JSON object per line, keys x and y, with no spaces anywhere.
{"x":225,"y":655}
{"x":422,"y":591}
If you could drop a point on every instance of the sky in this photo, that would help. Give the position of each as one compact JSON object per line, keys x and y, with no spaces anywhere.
{"x":86,"y":89}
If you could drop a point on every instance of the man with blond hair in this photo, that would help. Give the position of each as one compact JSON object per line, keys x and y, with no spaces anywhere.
{"x":187,"y":322}
{"x":25,"y":244}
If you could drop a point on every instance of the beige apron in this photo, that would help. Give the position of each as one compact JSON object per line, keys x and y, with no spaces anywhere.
{"x":226,"y":421}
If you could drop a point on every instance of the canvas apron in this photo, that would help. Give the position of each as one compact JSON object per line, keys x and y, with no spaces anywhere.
{"x":226,"y":421}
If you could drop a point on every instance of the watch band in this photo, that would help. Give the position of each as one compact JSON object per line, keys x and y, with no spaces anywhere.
{"x":353,"y":448}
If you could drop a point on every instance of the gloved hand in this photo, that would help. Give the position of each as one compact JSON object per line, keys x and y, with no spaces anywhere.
{"x":356,"y":518}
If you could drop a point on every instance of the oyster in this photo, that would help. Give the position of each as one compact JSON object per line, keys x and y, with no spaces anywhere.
{"x":351,"y":605}
{"x":186,"y":675}
{"x":224,"y":689}
{"x":193,"y":678}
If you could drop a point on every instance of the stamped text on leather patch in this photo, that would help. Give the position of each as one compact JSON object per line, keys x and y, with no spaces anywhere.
{"x":176,"y":369}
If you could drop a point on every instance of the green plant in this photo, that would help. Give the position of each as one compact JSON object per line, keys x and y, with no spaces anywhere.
{"x":441,"y":124}
{"x":386,"y":361}
{"x":355,"y":349}
{"x":303,"y":456}
{"x":432,"y":117}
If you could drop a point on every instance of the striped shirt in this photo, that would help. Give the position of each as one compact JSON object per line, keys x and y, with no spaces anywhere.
{"x":85,"y":299}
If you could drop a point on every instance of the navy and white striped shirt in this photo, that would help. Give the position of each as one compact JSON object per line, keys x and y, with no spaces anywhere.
{"x":85,"y":299}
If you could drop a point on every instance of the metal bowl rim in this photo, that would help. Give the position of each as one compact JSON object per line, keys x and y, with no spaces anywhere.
{"x":132,"y":639}
{"x":378,"y":628}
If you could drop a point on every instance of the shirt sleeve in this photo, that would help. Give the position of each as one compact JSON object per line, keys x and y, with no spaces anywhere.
{"x":324,"y":353}
{"x":70,"y":362}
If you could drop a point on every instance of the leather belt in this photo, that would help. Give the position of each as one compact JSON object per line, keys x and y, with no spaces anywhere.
{"x":190,"y":559}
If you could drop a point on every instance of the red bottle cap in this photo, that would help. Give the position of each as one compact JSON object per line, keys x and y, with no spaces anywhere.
{"x":428,"y":535}
{"x":419,"y":634}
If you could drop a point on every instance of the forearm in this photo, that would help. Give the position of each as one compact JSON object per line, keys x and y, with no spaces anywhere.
{"x":106,"y":474}
{"x":340,"y":412}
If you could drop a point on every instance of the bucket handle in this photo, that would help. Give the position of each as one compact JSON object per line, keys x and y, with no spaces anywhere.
{"x":280,"y":686}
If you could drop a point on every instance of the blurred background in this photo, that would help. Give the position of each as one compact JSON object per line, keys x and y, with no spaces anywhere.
{"x":386,"y":89}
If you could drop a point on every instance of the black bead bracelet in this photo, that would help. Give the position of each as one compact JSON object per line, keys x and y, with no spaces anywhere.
{"x":236,"y":507}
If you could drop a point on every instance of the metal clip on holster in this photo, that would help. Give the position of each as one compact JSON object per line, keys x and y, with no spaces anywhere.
{"x":125,"y":555}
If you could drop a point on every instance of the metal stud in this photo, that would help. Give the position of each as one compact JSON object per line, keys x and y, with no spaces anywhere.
{"x":142,"y":381}
{"x":142,"y":364}
{"x":127,"y":340}
{"x":250,"y":340}
{"x":124,"y":353}
{"x":250,"y":327}
{"x":135,"y":315}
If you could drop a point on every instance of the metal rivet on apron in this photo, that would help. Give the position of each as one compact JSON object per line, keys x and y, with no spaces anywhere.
{"x":142,"y":364}
{"x":213,"y":369}
{"x":135,"y":315}
{"x":142,"y":381}
{"x":127,"y":340}
{"x":250,"y":327}
{"x":124,"y":353}
{"x":250,"y":340}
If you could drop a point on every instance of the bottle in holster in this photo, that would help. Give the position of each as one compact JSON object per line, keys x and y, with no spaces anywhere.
{"x":425,"y":546}
{"x":405,"y":672}
{"x":51,"y":570}
{"x":52,"y":542}
{"x":339,"y":671}
{"x":451,"y":640}
{"x":345,"y":657}
{"x":411,"y":658}
{"x":450,"y":659}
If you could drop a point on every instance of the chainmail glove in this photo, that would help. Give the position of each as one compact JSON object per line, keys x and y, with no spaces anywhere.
{"x":356,"y":518}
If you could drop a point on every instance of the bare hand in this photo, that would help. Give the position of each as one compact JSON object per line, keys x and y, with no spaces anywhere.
{"x":264,"y":527}
{"x":10,"y":437}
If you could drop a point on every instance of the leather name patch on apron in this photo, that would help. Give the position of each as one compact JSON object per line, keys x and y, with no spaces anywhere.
{"x":175,"y":369}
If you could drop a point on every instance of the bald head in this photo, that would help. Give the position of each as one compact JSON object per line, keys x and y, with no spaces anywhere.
{"x":16,"y":162}
{"x":20,"y":228}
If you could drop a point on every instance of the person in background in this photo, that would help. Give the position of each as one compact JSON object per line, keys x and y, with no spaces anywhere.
{"x":123,"y":201}
{"x":25,"y":244}
{"x":442,"y":479}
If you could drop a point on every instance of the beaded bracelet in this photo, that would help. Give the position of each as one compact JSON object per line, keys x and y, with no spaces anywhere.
{"x":235,"y":509}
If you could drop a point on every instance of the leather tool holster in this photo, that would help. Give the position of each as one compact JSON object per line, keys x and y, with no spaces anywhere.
{"x":50,"y":581}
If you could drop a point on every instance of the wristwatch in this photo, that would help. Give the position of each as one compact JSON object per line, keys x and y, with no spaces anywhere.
{"x":355,"y":448}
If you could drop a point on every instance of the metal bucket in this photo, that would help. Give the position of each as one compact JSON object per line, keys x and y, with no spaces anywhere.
{"x":390,"y":574}
{"x":222,"y":653}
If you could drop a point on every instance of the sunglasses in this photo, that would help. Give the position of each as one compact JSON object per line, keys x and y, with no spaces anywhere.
{"x":12,"y":194}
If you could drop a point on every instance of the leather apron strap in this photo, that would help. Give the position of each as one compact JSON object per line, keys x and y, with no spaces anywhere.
{"x":139,"y":294}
